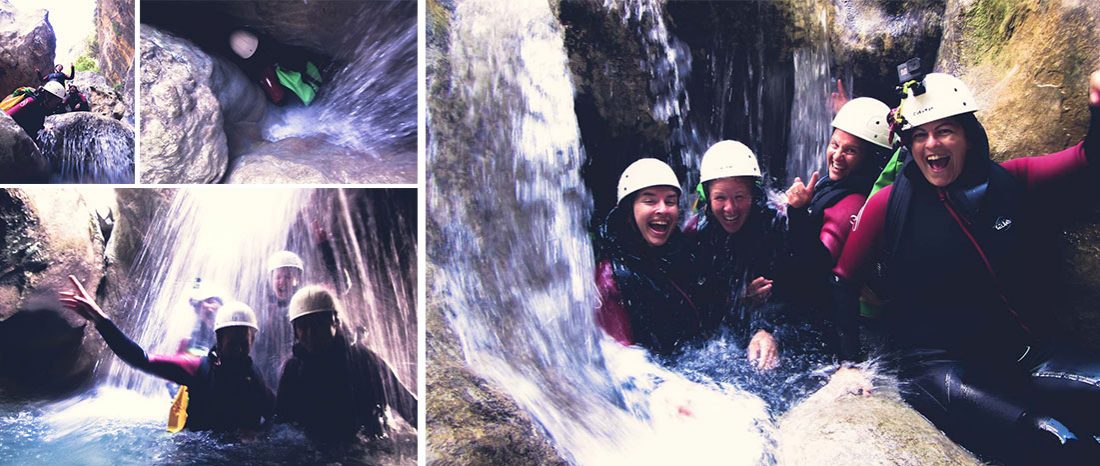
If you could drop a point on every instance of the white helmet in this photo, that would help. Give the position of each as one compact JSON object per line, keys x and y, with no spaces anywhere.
{"x":243,"y":43}
{"x":284,"y":259}
{"x":55,"y":88}
{"x":645,"y":173}
{"x":203,"y":292}
{"x":865,"y":118}
{"x":311,"y":300}
{"x":235,"y":314}
{"x":728,"y":158}
{"x":944,"y":96}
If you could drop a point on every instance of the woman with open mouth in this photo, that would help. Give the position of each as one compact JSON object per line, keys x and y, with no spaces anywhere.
{"x":961,"y":242}
{"x":738,"y":245}
{"x":821,"y":212}
{"x":644,"y":269}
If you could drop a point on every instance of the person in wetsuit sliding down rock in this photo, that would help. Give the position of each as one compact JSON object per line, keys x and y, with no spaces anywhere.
{"x":284,"y":72}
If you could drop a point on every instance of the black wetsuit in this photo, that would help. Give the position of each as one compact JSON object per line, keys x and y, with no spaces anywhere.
{"x":966,"y":271}
{"x":646,"y":291}
{"x":727,"y":263}
{"x":334,"y":395}
{"x":31,"y":116}
{"x":59,"y":76}
{"x":222,"y":397}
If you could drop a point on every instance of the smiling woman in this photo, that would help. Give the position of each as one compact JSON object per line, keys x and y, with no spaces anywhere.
{"x":644,"y":267}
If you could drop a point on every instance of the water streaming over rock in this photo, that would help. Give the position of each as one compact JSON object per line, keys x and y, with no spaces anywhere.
{"x":86,"y":148}
{"x":517,"y":286}
{"x":669,"y":63}
{"x":359,"y":243}
{"x":369,"y":103}
{"x":810,"y":112}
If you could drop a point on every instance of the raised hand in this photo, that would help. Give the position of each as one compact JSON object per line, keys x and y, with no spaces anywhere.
{"x":799,"y":194}
{"x":840,"y":97}
{"x":759,"y":290}
{"x":81,"y":302}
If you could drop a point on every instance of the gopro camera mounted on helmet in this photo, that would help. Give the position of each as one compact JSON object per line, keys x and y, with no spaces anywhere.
{"x":910,"y":72}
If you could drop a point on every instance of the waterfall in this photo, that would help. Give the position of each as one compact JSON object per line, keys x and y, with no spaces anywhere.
{"x":669,"y":63}
{"x":514,"y":264}
{"x":354,"y":246}
{"x":84,"y":148}
{"x":369,"y":104}
{"x":811,"y":114}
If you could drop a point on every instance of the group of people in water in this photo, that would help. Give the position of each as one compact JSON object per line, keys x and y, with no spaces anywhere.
{"x":914,"y":237}
{"x":333,"y":388}
{"x":29,"y":106}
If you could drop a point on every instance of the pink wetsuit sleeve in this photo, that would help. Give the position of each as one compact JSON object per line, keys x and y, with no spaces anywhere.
{"x":859,"y":250}
{"x":611,"y":316}
{"x":837,"y":224}
{"x":169,"y":366}
{"x":1048,"y":170}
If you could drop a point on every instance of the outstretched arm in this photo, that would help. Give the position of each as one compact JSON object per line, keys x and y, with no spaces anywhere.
{"x":1051,"y":170}
{"x":72,"y":71}
{"x":398,"y":397}
{"x":179,"y":369}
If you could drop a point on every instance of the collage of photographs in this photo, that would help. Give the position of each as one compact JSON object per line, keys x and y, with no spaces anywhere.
{"x":549,"y":232}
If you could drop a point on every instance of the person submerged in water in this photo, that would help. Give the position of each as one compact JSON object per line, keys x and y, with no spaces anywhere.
{"x":961,"y":239}
{"x":644,"y":266}
{"x":285,"y":73}
{"x":225,"y":391}
{"x":332,"y":387}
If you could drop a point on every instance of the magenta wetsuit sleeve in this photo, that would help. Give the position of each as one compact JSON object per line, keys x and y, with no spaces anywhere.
{"x":611,"y":316}
{"x":853,"y":269}
{"x":1051,"y":170}
{"x":180,"y":369}
{"x":837,"y":224}
{"x":860,"y":246}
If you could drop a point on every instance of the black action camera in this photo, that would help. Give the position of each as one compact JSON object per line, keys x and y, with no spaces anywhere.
{"x":911,"y":71}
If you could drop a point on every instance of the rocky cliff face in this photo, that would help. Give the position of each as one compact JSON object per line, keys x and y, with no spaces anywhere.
{"x":114,"y":23}
{"x":20,"y":159}
{"x":183,"y":137}
{"x":26,"y":42}
{"x":48,"y":234}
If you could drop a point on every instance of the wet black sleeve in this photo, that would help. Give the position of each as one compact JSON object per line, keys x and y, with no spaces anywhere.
{"x":72,"y":72}
{"x":131,"y":353}
{"x":845,"y":297}
{"x":264,"y":399}
{"x":287,"y":396}
{"x":397,"y":396}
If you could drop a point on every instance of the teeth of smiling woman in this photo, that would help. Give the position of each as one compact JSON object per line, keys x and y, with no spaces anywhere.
{"x":933,"y":158}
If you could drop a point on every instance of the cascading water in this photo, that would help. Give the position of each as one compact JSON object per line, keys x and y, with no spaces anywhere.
{"x":669,"y":63}
{"x":359,"y":243}
{"x":811,"y":114}
{"x":83,"y":149}
{"x":369,"y":104}
{"x":518,"y":287}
